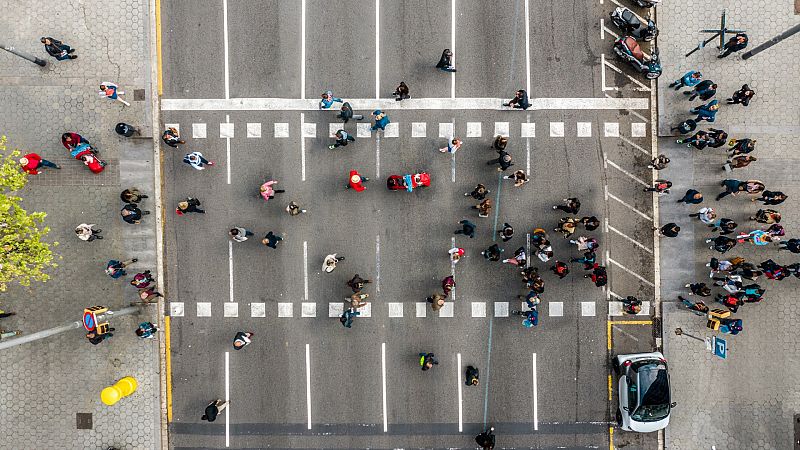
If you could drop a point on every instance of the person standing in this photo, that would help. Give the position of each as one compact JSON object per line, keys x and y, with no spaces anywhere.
{"x":267,"y":191}
{"x":471,"y":376}
{"x":32,"y":162}
{"x":659,"y":187}
{"x":560,"y":269}
{"x":242,"y":339}
{"x":214,"y":408}
{"x":146,"y":330}
{"x":705,"y":89}
{"x":294,"y":209}
{"x":190,"y":205}
{"x":342,"y":139}
{"x":700,"y":289}
{"x":717,"y":138}
{"x":520,"y":100}
{"x":732,"y":187}
{"x":706,"y":215}
{"x":123,"y":129}
{"x":346,"y":113}
{"x":111,"y":91}
{"x":172,"y":137}
{"x":456,"y":253}
{"x":239,"y":234}
{"x":271,"y":240}
{"x":448,"y":283}
{"x":692,"y":197}
{"x":453,"y":146}
{"x":793,"y":245}
{"x":631,"y":305}
{"x":347,"y":317}
{"x":571,"y":205}
{"x":436,"y":300}
{"x":507,"y":232}
{"x":328,"y":100}
{"x":670,"y":230}
{"x":401,"y":92}
{"x":591,"y":223}
{"x":427,"y":361}
{"x":767,"y":216}
{"x":196,"y":160}
{"x":659,"y":162}
{"x":132,"y":195}
{"x":743,"y":96}
{"x":57,"y":49}
{"x":116,"y":269}
{"x":86,"y":232}
{"x":504,"y":160}
{"x":689,"y":79}
{"x":142,"y":280}
{"x":738,"y":162}
{"x":772,"y":197}
{"x":132,"y":214}
{"x":519,"y":178}
{"x":685,"y":127}
{"x":742,"y":146}
{"x":484,"y":208}
{"x":486,"y":439}
{"x":492,"y":253}
{"x":707,"y":112}
{"x":698,"y":140}
{"x":467,"y":228}
{"x":381,"y":120}
{"x":734,"y":44}
{"x":445,"y":63}
{"x":479,"y":193}
{"x":357,"y":283}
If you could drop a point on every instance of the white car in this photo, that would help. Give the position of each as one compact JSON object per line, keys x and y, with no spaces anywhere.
{"x":644,"y":395}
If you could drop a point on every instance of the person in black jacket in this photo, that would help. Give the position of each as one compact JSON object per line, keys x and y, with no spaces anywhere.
{"x":58,"y":49}
{"x":705,"y":89}
{"x":346,"y":113}
{"x":132,"y":214}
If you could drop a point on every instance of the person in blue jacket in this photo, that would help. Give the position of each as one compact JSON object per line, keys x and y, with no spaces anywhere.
{"x":707,"y":112}
{"x":381,"y":120}
{"x":689,"y":79}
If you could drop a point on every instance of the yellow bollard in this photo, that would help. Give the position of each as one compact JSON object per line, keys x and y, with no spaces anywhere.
{"x":122,"y":388}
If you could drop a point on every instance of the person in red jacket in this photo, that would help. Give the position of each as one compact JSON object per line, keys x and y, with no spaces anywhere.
{"x":32,"y":162}
{"x":356,"y":181}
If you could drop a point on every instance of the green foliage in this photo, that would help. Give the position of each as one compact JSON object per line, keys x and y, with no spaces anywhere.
{"x":23,"y":255}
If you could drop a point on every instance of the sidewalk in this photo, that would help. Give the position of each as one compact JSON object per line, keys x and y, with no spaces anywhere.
{"x":50,"y":382}
{"x":750,"y":399}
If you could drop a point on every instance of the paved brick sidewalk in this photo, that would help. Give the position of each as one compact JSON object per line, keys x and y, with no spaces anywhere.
{"x":750,"y":399}
{"x":48,"y":382}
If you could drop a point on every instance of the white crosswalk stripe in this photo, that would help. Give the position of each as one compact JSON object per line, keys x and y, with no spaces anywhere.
{"x":615,"y":309}
{"x":422,"y":309}
{"x":254,"y":129}
{"x":478,"y":309}
{"x":285,"y":310}
{"x":447,"y":310}
{"x":473,"y":129}
{"x":446,"y":130}
{"x":419,"y":129}
{"x":638,"y":129}
{"x":309,"y":130}
{"x":588,"y":308}
{"x":258,"y":310}
{"x":199,"y":131}
{"x":501,"y":129}
{"x":584,"y":129}
{"x":555,"y":309}
{"x":203,"y":309}
{"x":230,"y":309}
{"x":395,"y":309}
{"x":611,"y":129}
{"x":226,"y":130}
{"x":392,"y":130}
{"x":281,"y":130}
{"x":308,"y":309}
{"x":501,"y":309}
{"x":556,"y":129}
{"x":363,"y":130}
{"x":527,"y":130}
{"x":176,"y":309}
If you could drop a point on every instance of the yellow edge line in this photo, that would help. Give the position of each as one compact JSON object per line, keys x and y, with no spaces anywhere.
{"x":610,"y":438}
{"x":169,"y":369}
{"x":609,"y":388}
{"x":608,"y":334}
{"x":631,"y":322}
{"x":158,"y":44}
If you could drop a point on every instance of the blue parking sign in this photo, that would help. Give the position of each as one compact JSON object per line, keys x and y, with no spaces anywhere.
{"x":720,"y":347}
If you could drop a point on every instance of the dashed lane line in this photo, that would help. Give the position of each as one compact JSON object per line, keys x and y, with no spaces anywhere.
{"x":630,"y":175}
{"x":628,"y":238}
{"x":622,"y":202}
{"x":636,"y":275}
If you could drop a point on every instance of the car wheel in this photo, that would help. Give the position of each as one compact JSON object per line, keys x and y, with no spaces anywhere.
{"x":619,"y":417}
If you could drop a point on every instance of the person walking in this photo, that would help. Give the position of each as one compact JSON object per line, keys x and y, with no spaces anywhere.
{"x":692,"y":197}
{"x":520,"y":100}
{"x":689,"y":79}
{"x":724,"y":226}
{"x":357,"y":283}
{"x":32,"y":162}
{"x":86,"y":232}
{"x":518,"y":176}
{"x":132,"y":195}
{"x":738,"y":162}
{"x":743,"y":96}
{"x":329,"y":263}
{"x":401,"y":92}
{"x":147,"y":295}
{"x":734,"y":44}
{"x":767,"y":216}
{"x":381,"y":120}
{"x":484,"y":207}
{"x":560,"y":269}
{"x":4,"y":314}
{"x":631,"y":305}
{"x":591,"y":223}
{"x":504,"y":160}
{"x":685,"y":127}
{"x":500,"y":142}
{"x":507,"y":232}
{"x":111,"y":91}
{"x":467,"y":228}
{"x":659,"y":162}
{"x":242,"y":339}
{"x":471,"y":376}
{"x":670,"y":230}
{"x":445,"y":63}
{"x":271,"y":240}
{"x":146,"y":330}
{"x":707,"y":112}
{"x":698,"y":140}
{"x":347,"y":317}
{"x":116,"y":269}
{"x":704,"y":89}
{"x":486,"y":439}
{"x":346,"y":113}
{"x":599,"y":276}
{"x":239,"y":234}
{"x":721,"y":243}
{"x":492,"y":253}
{"x":197,"y":161}
{"x":732,"y":187}
{"x":172,"y":137}
{"x":294,"y":209}
{"x":479,"y":193}
{"x":793,"y":245}
{"x":448,"y":283}
{"x":706,"y":215}
{"x":328,"y":100}
{"x":520,"y":258}
{"x":699,"y":289}
{"x":456,"y":253}
{"x":453,"y":146}
{"x":57,"y":49}
{"x":717,"y":138}
{"x":585,"y":243}
{"x":125,"y":130}
{"x":132,"y":214}
{"x":659,"y":187}
{"x":742,"y":146}
{"x":267,"y":191}
{"x":436,"y":300}
{"x":357,"y":300}
{"x":190,"y":205}
{"x":142,"y":280}
{"x":214,"y":408}
{"x":342,"y":139}
{"x":427,"y":361}
{"x":566,"y":226}
{"x":571,"y":205}
{"x":772,"y":197}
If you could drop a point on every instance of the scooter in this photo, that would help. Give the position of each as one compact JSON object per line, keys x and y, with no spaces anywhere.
{"x":648,"y":3}
{"x":628,"y":49}
{"x":630,"y":25}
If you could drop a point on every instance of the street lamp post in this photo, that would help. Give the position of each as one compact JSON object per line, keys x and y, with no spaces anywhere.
{"x":30,"y":58}
{"x":721,"y":31}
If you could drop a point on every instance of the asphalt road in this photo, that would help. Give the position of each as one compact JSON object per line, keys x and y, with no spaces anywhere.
{"x":306,"y":382}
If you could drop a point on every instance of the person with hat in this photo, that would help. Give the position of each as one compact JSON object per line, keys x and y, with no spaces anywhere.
{"x":196,"y":160}
{"x":381,"y":120}
{"x":32,"y":162}
{"x":190,"y":205}
{"x":455,"y":254}
{"x":356,"y":181}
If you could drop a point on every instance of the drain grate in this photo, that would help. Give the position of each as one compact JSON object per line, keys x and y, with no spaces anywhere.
{"x":84,"y":421}
{"x":138,"y":95}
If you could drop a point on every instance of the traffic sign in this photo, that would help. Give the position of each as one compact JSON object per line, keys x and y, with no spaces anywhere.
{"x":720,"y":347}
{"x":90,"y":316}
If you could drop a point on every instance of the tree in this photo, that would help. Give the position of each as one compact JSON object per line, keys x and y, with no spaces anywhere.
{"x":24,"y":256}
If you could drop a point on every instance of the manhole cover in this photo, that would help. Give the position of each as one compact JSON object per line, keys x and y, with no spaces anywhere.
{"x":138,"y":95}
{"x":84,"y":421}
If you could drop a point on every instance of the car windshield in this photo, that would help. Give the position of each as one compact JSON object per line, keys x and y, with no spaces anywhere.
{"x":654,"y":400}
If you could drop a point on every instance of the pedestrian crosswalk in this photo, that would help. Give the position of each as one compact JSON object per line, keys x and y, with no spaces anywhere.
{"x":447,"y":130}
{"x":393,"y":310}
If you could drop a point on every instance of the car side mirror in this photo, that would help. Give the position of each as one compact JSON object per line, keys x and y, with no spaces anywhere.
{"x":673,"y":404}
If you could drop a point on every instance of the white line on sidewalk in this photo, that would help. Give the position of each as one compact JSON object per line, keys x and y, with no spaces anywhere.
{"x":225,"y":39}
{"x":228,"y":150}
{"x":630,"y":239}
{"x":535,"y":396}
{"x":302,"y":147}
{"x":453,"y":46}
{"x":641,"y":278}
{"x":471,"y":104}
{"x":634,"y":145}
{"x":308,"y":384}
{"x":378,"y":263}
{"x":528,"y":141}
{"x":230,"y":270}
{"x":453,"y":155}
{"x":227,"y":399}
{"x":614,"y":197}
{"x":377,"y":155}
{"x":602,"y":75}
{"x":383,"y":376}
{"x":377,"y":50}
{"x":452,"y":263}
{"x":630,"y":175}
{"x":305,"y":268}
{"x":460,"y":396}
{"x":528,"y":47}
{"x":302,"y":51}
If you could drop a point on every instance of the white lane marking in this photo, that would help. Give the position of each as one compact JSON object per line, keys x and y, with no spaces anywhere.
{"x":453,"y":155}
{"x":478,"y":309}
{"x":528,"y":46}
{"x":619,"y":200}
{"x":630,"y":239}
{"x":641,"y":87}
{"x":225,"y":39}
{"x":230,"y":309}
{"x":604,"y":29}
{"x":527,"y":129}
{"x":383,"y":377}
{"x":303,"y":49}
{"x":226,"y":129}
{"x":634,"y":145}
{"x":527,"y":249}
{"x":227,"y":399}
{"x":443,"y":103}
{"x":229,"y":133}
{"x":556,"y":129}
{"x":584,"y":129}
{"x":555,"y":309}
{"x":422,"y":309}
{"x":419,"y":129}
{"x":528,"y":132}
{"x":305,"y":269}
{"x":638,"y":129}
{"x":473,"y":129}
{"x":378,"y":263}
{"x":588,"y":309}
{"x":630,"y":175}
{"x":611,"y":129}
{"x":176,"y":309}
{"x":254,"y":129}
{"x":535,"y":387}
{"x":501,"y":129}
{"x":308,"y":384}
{"x":377,"y":155}
{"x":285,"y":310}
{"x":641,"y":278}
{"x":453,"y":46}
{"x":198,"y":131}
{"x":281,"y":130}
{"x":460,"y":396}
{"x":452,"y":263}
{"x":203,"y":309}
{"x":602,"y":75}
{"x":302,"y":149}
{"x":395,"y":309}
{"x":230,"y":271}
{"x":501,"y":309}
{"x":377,"y":49}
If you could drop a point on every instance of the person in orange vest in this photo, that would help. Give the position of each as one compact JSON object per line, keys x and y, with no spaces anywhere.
{"x":32,"y":162}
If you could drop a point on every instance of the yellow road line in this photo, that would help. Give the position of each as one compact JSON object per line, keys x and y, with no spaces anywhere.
{"x":608,"y":335}
{"x":631,"y":322}
{"x":609,"y":388}
{"x":169,"y":370}
{"x":158,"y":44}
{"x":610,"y":438}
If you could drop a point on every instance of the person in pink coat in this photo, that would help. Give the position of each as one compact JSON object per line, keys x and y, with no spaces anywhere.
{"x":268,"y":192}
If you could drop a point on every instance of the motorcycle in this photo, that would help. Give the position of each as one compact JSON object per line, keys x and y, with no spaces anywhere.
{"x":647,"y":3}
{"x":408,"y":181}
{"x":628,"y":49}
{"x":88,"y":155}
{"x":630,"y":25}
